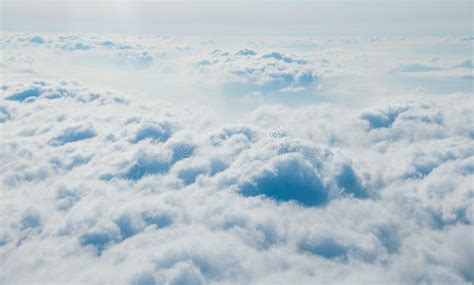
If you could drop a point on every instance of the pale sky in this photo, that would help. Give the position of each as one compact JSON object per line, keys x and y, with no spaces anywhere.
{"x":419,"y":17}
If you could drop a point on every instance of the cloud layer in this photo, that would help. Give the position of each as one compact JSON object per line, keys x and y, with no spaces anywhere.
{"x":106,"y":186}
{"x":108,"y":190}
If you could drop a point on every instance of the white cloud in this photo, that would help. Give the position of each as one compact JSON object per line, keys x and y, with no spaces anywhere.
{"x":103,"y":186}
{"x":246,"y":71}
{"x":92,"y":190}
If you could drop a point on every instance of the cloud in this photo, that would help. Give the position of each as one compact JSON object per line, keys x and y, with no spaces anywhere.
{"x":76,"y":46}
{"x":247,"y":71}
{"x":73,"y":135}
{"x":115,"y":50}
{"x":382,"y":119}
{"x":102,"y":186}
{"x":417,"y":68}
{"x":37,"y":40}
{"x":286,"y":179}
{"x":466,"y":64}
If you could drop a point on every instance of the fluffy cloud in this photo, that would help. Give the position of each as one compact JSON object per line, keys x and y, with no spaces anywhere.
{"x":97,"y":187}
{"x":113,"y":50}
{"x":102,"y":186}
{"x":246,"y":71}
{"x":250,"y":70}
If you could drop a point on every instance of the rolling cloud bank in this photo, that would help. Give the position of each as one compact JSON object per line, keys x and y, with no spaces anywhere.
{"x":107,"y":186}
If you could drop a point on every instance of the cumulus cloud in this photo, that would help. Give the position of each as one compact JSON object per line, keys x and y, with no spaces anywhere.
{"x":107,"y":190}
{"x":102,"y":186}
{"x":37,"y":40}
{"x":114,"y":49}
{"x":246,"y":71}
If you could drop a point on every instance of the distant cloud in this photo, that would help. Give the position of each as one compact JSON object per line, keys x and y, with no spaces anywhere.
{"x":37,"y":40}
{"x":417,"y":68}
{"x":466,"y":64}
{"x":247,"y":71}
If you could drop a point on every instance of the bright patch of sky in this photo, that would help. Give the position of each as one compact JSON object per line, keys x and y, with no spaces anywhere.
{"x":242,"y":18}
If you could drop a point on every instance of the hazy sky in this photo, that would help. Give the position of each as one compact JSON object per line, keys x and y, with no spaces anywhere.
{"x":242,"y":18}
